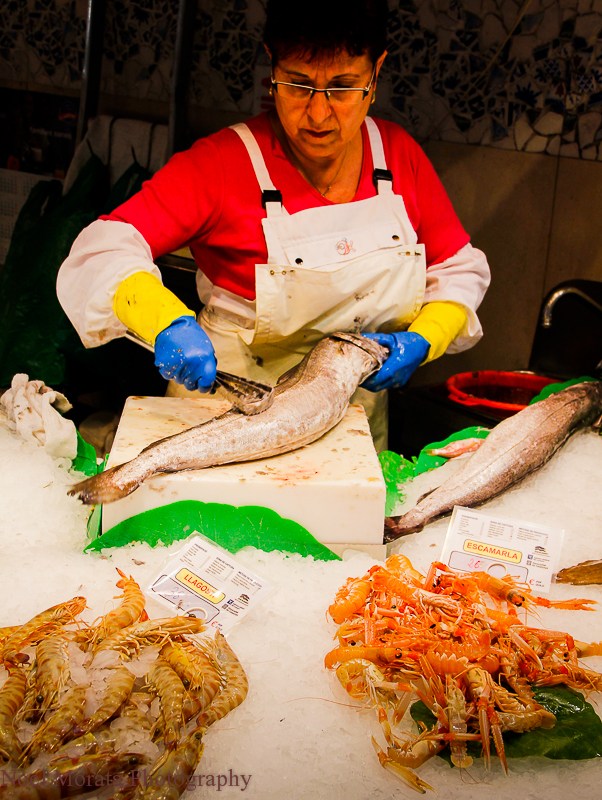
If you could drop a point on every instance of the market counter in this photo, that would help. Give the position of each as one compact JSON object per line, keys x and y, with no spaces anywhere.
{"x":298,"y":734}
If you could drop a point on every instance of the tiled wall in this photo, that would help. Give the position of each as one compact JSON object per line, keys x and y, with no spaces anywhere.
{"x":514,"y":74}
{"x":506,"y":96}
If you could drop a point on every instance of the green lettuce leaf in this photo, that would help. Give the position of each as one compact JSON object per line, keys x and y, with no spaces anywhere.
{"x":577,"y":734}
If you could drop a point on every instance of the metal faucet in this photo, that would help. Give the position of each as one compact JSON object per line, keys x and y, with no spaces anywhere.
{"x":546,"y":316}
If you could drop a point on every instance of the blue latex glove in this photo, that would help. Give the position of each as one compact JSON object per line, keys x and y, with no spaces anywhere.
{"x":406,"y":352}
{"x":184,"y":353}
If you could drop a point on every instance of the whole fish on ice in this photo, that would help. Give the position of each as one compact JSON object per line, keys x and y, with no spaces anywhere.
{"x":515,"y":447}
{"x":309,"y":400}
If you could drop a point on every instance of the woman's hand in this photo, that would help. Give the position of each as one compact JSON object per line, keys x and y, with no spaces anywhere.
{"x":184,"y":353}
{"x":406,"y":352}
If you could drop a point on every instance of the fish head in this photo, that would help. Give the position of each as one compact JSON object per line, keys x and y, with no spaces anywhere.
{"x":595,"y":391}
{"x":378,"y":353}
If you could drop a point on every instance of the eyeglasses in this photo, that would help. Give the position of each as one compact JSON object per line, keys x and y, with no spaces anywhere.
{"x":339,"y":95}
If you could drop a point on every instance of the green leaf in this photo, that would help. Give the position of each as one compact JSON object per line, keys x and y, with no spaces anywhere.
{"x":228,"y":526}
{"x":396,"y":470}
{"x":577,"y":734}
{"x":85,"y":460}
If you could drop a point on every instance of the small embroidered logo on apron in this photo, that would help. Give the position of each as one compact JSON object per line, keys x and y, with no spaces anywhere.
{"x":344,"y":247}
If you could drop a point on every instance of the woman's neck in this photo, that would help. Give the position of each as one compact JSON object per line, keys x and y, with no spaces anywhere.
{"x":335,"y":178}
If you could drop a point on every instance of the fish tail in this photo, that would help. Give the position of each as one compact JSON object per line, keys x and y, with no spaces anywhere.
{"x":390,"y":531}
{"x":106,"y":487}
{"x":402,"y":525}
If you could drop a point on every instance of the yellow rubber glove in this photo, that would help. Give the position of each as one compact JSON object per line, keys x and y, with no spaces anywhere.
{"x":146,"y":307}
{"x":439,"y":322}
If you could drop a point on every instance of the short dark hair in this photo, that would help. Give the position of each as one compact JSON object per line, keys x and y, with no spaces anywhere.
{"x":312,"y":28}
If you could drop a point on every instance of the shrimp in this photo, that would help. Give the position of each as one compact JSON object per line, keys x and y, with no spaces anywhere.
{"x":480,"y":688}
{"x":119,"y":683}
{"x":457,"y":723}
{"x":59,"y":777}
{"x":587,"y":680}
{"x":59,"y":725}
{"x":363,"y":680}
{"x":171,"y":691}
{"x":127,"y":640}
{"x":458,"y":448}
{"x":198,"y":672}
{"x":520,"y":714}
{"x":358,"y":677}
{"x":7,"y":631}
{"x":37,"y":627}
{"x":11,"y":697}
{"x":349,"y":599}
{"x":508,"y":590}
{"x":456,"y":641}
{"x":170,"y":774}
{"x":52,"y":668}
{"x":129,"y":611}
{"x":235,"y":687}
{"x":453,"y":657}
{"x":393,"y":761}
{"x":380,"y":654}
{"x":385,"y":581}
{"x":401,"y":567}
{"x":30,"y":710}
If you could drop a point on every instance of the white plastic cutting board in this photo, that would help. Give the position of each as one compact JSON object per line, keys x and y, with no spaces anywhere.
{"x":333,"y":487}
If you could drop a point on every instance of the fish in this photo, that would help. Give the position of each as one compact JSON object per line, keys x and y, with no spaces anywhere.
{"x":308,"y":401}
{"x":516,"y":446}
{"x":582,"y":574}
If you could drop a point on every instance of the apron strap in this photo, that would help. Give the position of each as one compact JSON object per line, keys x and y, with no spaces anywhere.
{"x":382,"y":177}
{"x":271,"y":198}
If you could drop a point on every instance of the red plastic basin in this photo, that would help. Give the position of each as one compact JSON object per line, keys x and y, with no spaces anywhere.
{"x":505,"y":391}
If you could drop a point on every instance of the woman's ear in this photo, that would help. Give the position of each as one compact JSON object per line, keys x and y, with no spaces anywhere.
{"x":379,"y":62}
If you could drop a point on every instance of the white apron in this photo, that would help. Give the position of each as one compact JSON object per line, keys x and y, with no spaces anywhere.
{"x":347,"y":267}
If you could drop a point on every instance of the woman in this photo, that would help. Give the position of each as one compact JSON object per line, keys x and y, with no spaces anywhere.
{"x":308,"y":219}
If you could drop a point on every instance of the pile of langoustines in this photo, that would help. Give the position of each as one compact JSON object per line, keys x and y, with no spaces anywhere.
{"x":455,"y":641}
{"x":120,"y":706}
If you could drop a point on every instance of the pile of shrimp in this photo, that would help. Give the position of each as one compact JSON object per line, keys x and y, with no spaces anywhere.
{"x":120,"y":706}
{"x":455,"y":641}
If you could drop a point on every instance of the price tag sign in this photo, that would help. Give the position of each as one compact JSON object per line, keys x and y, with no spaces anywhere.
{"x":204,"y":581}
{"x":528,"y":552}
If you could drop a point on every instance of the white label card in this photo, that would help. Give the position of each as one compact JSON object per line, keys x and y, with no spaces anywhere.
{"x":205,"y":581}
{"x":528,"y":552}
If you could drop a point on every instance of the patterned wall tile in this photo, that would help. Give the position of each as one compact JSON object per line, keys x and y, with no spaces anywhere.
{"x":513,"y":74}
